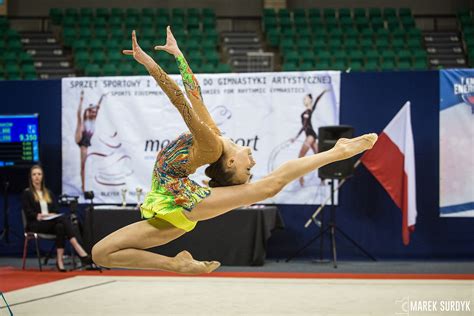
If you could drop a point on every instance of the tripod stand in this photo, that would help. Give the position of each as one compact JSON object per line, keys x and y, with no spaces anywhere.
{"x":6,"y":226}
{"x":5,"y":232}
{"x":332,"y":229}
{"x":13,"y":180}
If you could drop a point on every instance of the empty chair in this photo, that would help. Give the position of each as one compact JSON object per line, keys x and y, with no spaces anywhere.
{"x":306,"y":66}
{"x":356,"y":55}
{"x":371,"y":65}
{"x":109,"y":70}
{"x":92,"y":70}
{"x":404,"y":12}
{"x":420,"y":64}
{"x":389,"y":12}
{"x":388,"y":55}
{"x":86,"y":12}
{"x":208,"y":68}
{"x":267,"y":12}
{"x":95,"y":44}
{"x":403,"y":65}
{"x":28,"y":69}
{"x":115,"y":57}
{"x":194,"y":12}
{"x":212,"y":57}
{"x":307,"y":56}
{"x":338,"y":65}
{"x":314,"y":13}
{"x":25,"y":59}
{"x":99,"y":23}
{"x":387,"y":65}
{"x":359,"y":12}
{"x":322,"y":64}
{"x":404,"y":55}
{"x":56,"y":15}
{"x":224,"y":68}
{"x":98,"y":57}
{"x":102,"y":13}
{"x":117,"y":12}
{"x":126,"y":69}
{"x":398,"y":44}
{"x":329,"y":13}
{"x":177,"y":13}
{"x":133,"y":12}
{"x":344,"y":13}
{"x":192,"y":22}
{"x":71,"y":12}
{"x":290,"y":66}
{"x":375,"y":12}
{"x":355,"y":66}
{"x":10,"y":57}
{"x":115,"y":23}
{"x":291,"y":56}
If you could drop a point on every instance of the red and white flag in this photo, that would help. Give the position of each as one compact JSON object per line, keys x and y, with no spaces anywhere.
{"x":392,"y":162}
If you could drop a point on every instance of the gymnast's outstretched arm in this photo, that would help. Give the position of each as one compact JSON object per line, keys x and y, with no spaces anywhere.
{"x":191,"y":85}
{"x":206,"y":142}
{"x":317,"y":99}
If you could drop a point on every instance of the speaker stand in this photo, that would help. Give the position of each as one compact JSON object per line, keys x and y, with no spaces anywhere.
{"x":331,"y":228}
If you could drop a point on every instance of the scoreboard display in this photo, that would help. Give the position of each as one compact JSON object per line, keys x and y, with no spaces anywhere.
{"x":19,"y":140}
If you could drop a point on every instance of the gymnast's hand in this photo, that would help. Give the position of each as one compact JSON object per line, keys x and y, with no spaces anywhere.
{"x":137,"y":53}
{"x":171,"y":45}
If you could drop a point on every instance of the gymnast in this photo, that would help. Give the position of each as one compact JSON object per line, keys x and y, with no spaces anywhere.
{"x":175,"y":203}
{"x":85,"y":128}
{"x":311,"y":136}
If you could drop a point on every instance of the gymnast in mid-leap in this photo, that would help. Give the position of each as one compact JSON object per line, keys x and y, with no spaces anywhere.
{"x":175,"y":203}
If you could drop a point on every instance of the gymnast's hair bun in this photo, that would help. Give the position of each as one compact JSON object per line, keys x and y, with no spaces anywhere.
{"x":213,"y":183}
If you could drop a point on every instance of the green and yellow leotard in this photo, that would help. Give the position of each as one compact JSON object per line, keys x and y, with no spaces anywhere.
{"x":172,"y":192}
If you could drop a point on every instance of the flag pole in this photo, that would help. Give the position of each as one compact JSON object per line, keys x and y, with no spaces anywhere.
{"x":320,"y":208}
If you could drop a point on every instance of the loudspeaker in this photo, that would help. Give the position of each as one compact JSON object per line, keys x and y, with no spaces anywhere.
{"x":328,"y":136}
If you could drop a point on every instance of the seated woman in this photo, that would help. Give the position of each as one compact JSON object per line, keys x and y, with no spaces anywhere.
{"x":38,"y":203}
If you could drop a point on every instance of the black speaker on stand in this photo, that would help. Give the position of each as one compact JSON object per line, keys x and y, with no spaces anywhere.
{"x":340,"y":170}
{"x":328,"y":137}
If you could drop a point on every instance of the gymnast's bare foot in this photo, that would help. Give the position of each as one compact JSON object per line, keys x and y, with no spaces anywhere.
{"x":301,"y":181}
{"x":186,"y":264}
{"x":347,"y":148}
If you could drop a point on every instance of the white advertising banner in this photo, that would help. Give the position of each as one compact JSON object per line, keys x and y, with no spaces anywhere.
{"x":111,"y":138}
{"x":456,"y":143}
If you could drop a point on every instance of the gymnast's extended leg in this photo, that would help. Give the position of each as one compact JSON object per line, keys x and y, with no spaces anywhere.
{"x":224,"y":199}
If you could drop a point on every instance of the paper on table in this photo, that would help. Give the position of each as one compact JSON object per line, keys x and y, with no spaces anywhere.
{"x":51,"y":216}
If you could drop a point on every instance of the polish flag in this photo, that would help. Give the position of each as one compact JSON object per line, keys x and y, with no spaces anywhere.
{"x":392,"y":162}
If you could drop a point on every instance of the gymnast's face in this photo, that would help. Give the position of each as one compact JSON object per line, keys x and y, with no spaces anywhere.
{"x":91,"y":113}
{"x":307,"y":101}
{"x":240,"y":160}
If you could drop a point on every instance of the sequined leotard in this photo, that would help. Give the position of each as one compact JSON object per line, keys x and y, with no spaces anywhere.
{"x":306,"y":120}
{"x":172,"y":192}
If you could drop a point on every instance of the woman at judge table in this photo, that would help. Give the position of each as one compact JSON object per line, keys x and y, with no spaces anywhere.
{"x":39,"y":204}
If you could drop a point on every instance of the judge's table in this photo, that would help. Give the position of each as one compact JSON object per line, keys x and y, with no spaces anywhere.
{"x":236,"y":238}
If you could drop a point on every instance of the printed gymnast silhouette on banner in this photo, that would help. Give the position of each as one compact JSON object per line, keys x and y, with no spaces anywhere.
{"x":111,"y":167}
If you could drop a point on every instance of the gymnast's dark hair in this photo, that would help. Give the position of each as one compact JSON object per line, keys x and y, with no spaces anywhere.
{"x":310,"y":96}
{"x":219,"y":174}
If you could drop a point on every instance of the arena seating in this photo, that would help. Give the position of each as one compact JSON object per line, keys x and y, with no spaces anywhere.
{"x":15,"y":62}
{"x":97,"y":37}
{"x":466,"y":22}
{"x":360,"y":39}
